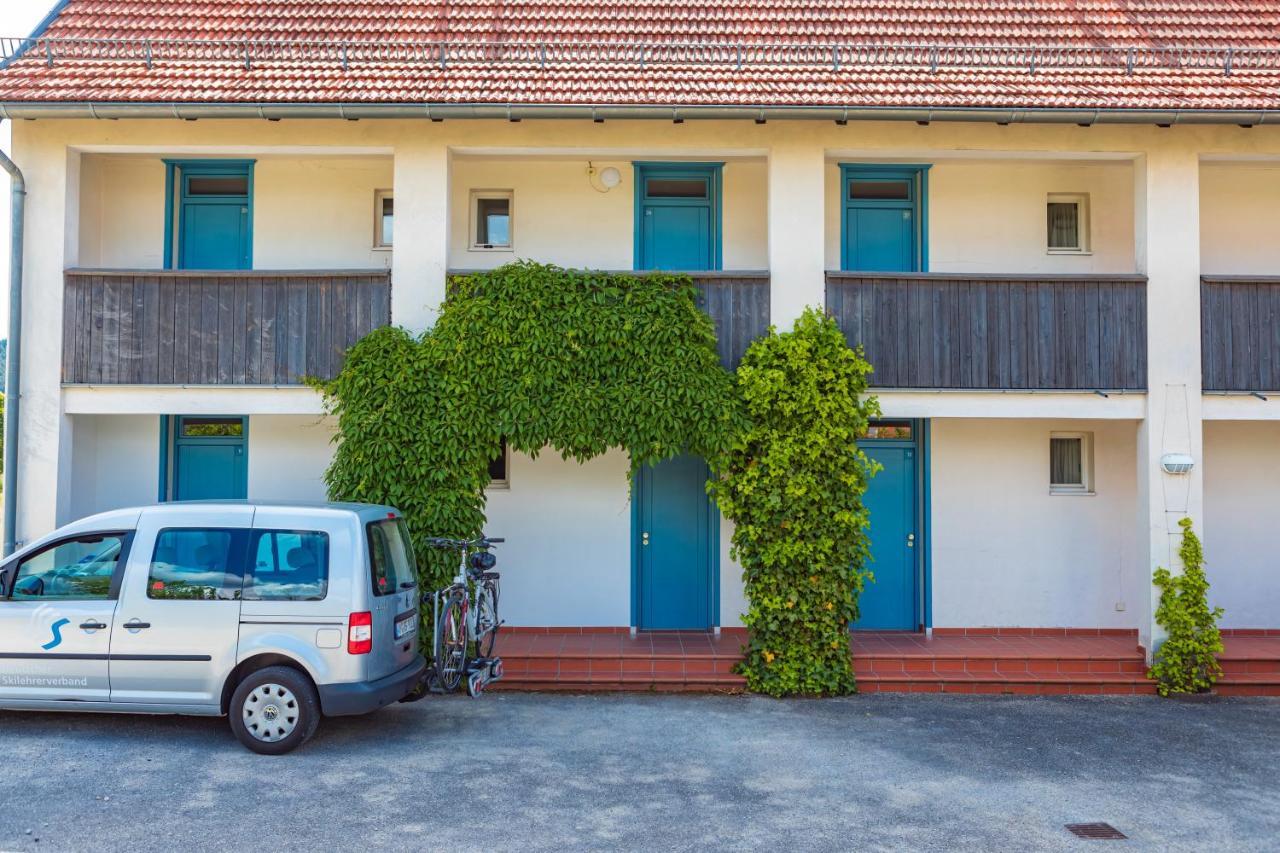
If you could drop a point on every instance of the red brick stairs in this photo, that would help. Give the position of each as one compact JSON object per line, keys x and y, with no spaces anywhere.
{"x":993,"y":661}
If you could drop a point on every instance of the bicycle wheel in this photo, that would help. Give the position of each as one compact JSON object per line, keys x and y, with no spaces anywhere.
{"x":487,"y":619}
{"x":450,"y":647}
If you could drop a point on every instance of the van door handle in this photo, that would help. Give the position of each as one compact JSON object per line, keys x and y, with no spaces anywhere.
{"x":92,"y":625}
{"x":136,"y":625}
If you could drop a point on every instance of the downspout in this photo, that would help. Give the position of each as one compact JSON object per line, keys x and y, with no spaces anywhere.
{"x":13,"y":374}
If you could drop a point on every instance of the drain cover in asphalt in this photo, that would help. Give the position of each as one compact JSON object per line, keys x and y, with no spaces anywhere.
{"x":1096,"y":831}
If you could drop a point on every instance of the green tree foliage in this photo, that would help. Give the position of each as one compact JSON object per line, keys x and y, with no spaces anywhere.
{"x":575,"y":361}
{"x":793,"y":487}
{"x":1187,"y":661}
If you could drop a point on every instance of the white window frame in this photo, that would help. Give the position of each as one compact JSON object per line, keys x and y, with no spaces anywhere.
{"x":505,"y":483}
{"x":476,"y":197}
{"x":379,"y":241}
{"x":1086,"y":465}
{"x":1081,"y":201}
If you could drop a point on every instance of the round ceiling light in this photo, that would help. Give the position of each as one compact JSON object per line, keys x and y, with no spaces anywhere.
{"x":610,"y":177}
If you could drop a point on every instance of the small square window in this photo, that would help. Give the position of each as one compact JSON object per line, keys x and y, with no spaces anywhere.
{"x":491,"y":218}
{"x":1071,"y":463}
{"x":499,"y":468}
{"x":384,"y":218}
{"x":1067,"y":219}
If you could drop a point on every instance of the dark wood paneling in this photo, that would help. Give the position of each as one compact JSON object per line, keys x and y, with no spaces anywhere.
{"x":738,"y":304}
{"x":177,"y":327}
{"x":1240,"y":333}
{"x":930,"y":330}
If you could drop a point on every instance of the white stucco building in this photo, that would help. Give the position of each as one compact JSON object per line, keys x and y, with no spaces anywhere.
{"x":1059,"y":284}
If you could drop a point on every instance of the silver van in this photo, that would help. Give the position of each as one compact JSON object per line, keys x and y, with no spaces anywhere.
{"x":272,"y":614}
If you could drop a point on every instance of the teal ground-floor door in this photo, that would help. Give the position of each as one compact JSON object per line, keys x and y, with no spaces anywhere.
{"x":210,"y":458}
{"x":675,"y":545}
{"x":892,"y":602}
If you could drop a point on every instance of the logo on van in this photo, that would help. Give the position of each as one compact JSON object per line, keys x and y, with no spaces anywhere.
{"x":56,"y":628}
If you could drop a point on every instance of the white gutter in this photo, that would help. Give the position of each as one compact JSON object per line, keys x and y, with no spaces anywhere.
{"x":440,"y":112}
{"x":13,"y":373}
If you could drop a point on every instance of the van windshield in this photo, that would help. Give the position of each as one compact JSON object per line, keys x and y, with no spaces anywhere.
{"x":391,"y":556}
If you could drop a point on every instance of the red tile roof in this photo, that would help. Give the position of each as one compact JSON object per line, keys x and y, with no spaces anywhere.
{"x":1056,"y":54}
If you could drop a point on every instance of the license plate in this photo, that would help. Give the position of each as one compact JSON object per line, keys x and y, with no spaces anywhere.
{"x":406,"y":626}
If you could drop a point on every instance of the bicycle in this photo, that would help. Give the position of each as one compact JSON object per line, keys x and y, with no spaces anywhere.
{"x":463,"y":618}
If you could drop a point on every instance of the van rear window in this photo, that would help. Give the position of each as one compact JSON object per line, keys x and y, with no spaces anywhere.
{"x":391,"y":561}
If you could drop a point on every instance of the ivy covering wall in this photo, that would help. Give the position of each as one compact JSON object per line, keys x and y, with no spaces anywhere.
{"x":793,"y":486}
{"x":564,"y":361}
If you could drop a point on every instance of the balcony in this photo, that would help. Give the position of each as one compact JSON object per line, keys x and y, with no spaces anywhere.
{"x":1240,"y":333}
{"x":989,"y":332}
{"x":191,"y":327}
{"x":738,"y":303}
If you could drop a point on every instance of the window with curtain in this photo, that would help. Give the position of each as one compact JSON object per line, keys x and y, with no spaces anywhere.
{"x":1069,"y":463}
{"x":1067,"y":219}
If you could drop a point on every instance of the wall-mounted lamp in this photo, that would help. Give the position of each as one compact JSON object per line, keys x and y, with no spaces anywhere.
{"x":603,"y":180}
{"x":1177,"y":463}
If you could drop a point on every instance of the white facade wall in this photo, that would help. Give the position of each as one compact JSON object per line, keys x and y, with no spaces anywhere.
{"x":1006,"y":552}
{"x":1242,"y":505}
{"x":560,"y":217}
{"x":1239,"y":230}
{"x":988,"y":216}
{"x":308,"y":212}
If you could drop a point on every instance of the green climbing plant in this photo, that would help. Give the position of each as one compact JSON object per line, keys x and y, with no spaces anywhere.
{"x":576,"y":362}
{"x":1186,"y":662}
{"x":793,"y":486}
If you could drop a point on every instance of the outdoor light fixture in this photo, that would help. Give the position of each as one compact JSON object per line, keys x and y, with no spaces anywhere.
{"x":606,"y":178}
{"x":1177,"y":463}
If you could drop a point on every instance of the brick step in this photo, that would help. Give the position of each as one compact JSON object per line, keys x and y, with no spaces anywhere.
{"x":1246,"y":666}
{"x":943,"y":665}
{"x":1249,"y":684}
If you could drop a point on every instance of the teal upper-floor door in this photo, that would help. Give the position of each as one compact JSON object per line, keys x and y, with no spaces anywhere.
{"x":883,"y":226}
{"x":678,"y":216}
{"x":213,"y":207}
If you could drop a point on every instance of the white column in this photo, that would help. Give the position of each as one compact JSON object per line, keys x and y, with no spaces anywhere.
{"x":797,"y":228}
{"x":52,"y":174}
{"x":421,"y":255}
{"x":1167,"y":221}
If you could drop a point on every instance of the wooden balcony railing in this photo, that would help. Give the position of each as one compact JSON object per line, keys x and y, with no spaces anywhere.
{"x":189,"y":327}
{"x":1240,"y":333}
{"x":931,"y":330}
{"x":738,"y":303}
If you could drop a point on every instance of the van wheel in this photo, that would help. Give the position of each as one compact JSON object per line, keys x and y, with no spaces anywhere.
{"x":274,"y":710}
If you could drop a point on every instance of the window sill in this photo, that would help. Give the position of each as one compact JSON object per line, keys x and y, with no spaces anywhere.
{"x":1072,"y":493}
{"x":383,"y":248}
{"x":507,"y":249}
{"x":1080,"y":252}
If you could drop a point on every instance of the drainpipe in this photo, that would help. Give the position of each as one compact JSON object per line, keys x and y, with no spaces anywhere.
{"x":13,"y":375}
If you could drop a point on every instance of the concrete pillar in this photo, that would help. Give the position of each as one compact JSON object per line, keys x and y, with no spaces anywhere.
{"x":45,"y":434}
{"x":421,"y":255}
{"x":797,"y":228}
{"x":1167,"y":222}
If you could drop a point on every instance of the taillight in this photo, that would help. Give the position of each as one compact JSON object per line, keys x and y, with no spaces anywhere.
{"x":360,"y":634}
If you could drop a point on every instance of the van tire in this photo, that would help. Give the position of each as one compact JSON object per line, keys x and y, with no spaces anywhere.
{"x":275,"y":702}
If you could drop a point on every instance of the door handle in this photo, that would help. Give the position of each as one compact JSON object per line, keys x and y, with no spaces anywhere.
{"x":91,"y":625}
{"x":644,"y":538}
{"x":135,"y":625}
{"x":911,"y":540}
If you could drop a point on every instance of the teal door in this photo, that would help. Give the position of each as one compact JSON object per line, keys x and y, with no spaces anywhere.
{"x":210,"y":459}
{"x":883,"y":224}
{"x":892,"y":601}
{"x":213,"y":201}
{"x":675,"y":547}
{"x":678,"y":216}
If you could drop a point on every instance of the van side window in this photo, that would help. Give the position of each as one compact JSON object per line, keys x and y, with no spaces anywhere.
{"x":201,"y":564}
{"x":74,"y":570}
{"x":288,"y":565}
{"x":391,"y":562}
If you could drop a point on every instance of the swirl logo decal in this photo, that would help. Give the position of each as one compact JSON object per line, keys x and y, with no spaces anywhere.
{"x":56,"y":627}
